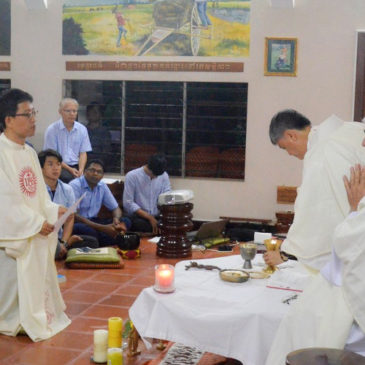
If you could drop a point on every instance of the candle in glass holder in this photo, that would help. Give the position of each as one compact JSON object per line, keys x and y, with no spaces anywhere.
{"x":115,"y":356}
{"x":100,"y":346}
{"x":164,"y":278}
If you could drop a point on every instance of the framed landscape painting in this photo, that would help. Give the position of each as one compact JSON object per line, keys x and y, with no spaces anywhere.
{"x":156,"y":28}
{"x":280,"y":56}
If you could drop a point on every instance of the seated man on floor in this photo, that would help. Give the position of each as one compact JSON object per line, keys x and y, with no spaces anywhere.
{"x":331,"y":311}
{"x":97,"y":193}
{"x":62,"y":193}
{"x":142,"y":187}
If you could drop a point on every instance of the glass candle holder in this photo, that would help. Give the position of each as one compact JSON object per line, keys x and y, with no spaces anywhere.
{"x":115,"y":356}
{"x":164,"y":278}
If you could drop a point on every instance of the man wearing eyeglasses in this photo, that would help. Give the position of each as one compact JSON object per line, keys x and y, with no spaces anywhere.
{"x":97,"y":193}
{"x":70,"y":139}
{"x":30,"y":298}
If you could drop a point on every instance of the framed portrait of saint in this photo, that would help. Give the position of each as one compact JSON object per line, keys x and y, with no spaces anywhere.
{"x":280,"y":57}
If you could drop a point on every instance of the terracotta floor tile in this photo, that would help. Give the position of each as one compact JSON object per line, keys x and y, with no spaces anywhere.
{"x":105,"y":311}
{"x":70,"y":340}
{"x":69,"y":283}
{"x":98,"y":287}
{"x":85,"y":324}
{"x":78,"y":274}
{"x":8,"y":348}
{"x":43,"y":356}
{"x":82,"y":296}
{"x":132,"y":290}
{"x":76,"y":308}
{"x":131,"y":269}
{"x":144,"y":280}
{"x":84,"y":358}
{"x":118,"y":300}
{"x":112,"y":278}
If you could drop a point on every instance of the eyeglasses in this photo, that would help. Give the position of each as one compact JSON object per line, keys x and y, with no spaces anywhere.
{"x":28,"y":115}
{"x":70,"y":111}
{"x":94,"y":171}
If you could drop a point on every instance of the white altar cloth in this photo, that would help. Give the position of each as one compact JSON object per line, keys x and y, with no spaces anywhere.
{"x":237,"y":320}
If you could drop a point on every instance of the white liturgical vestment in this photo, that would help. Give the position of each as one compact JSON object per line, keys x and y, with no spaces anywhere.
{"x":30,"y":297}
{"x":331,"y":310}
{"x":321,"y":204}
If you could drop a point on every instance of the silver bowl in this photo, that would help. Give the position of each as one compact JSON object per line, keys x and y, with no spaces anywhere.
{"x":248,"y":252}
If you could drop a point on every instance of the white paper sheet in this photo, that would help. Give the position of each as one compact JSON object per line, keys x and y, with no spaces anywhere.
{"x":61,"y":221}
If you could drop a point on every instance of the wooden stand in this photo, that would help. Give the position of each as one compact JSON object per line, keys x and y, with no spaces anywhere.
{"x":284,"y":221}
{"x":175,"y":221}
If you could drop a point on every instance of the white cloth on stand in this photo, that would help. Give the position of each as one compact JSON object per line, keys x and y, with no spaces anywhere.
{"x":29,"y":292}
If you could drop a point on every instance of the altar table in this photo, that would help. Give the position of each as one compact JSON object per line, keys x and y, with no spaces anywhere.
{"x":237,"y":320}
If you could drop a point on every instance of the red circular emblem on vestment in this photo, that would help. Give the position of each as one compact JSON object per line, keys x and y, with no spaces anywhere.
{"x":28,"y":181}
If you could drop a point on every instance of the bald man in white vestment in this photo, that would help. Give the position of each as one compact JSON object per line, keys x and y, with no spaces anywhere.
{"x":331,"y":311}
{"x":30,"y":298}
{"x":328,"y":151}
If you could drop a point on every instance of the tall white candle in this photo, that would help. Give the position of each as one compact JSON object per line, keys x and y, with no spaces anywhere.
{"x":100,"y":346}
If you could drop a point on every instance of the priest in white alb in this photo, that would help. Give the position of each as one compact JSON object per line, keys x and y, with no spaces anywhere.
{"x":30,"y":298}
{"x":330,"y":313}
{"x":328,"y":151}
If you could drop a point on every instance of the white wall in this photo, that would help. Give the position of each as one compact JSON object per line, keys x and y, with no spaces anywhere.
{"x":326,"y":32}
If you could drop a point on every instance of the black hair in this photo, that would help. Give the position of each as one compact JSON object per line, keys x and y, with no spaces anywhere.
{"x":95,"y":161}
{"x":157,"y":164}
{"x":42,"y":156}
{"x":94,"y":105}
{"x":284,"y":120}
{"x":9,"y":102}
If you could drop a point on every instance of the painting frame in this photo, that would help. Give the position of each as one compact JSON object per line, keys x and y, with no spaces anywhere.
{"x":281,"y":55}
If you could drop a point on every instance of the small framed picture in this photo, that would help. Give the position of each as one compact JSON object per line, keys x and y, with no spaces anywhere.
{"x":280,"y":56}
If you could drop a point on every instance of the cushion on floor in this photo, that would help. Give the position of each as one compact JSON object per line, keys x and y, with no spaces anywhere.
{"x":96,"y":258}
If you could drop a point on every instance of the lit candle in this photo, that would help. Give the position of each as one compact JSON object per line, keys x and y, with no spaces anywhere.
{"x":164,"y":278}
{"x":100,"y":346}
{"x":115,"y":356}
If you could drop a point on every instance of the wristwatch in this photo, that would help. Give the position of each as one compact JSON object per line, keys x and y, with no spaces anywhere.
{"x":283,"y":256}
{"x":65,"y":244}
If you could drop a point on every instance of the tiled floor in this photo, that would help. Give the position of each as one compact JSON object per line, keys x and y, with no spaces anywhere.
{"x":91,"y":296}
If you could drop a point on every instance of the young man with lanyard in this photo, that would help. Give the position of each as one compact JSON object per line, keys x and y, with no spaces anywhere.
{"x":62,"y":193}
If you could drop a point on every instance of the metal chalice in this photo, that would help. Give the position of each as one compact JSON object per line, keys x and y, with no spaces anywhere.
{"x":248,"y":252}
{"x":271,"y":244}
